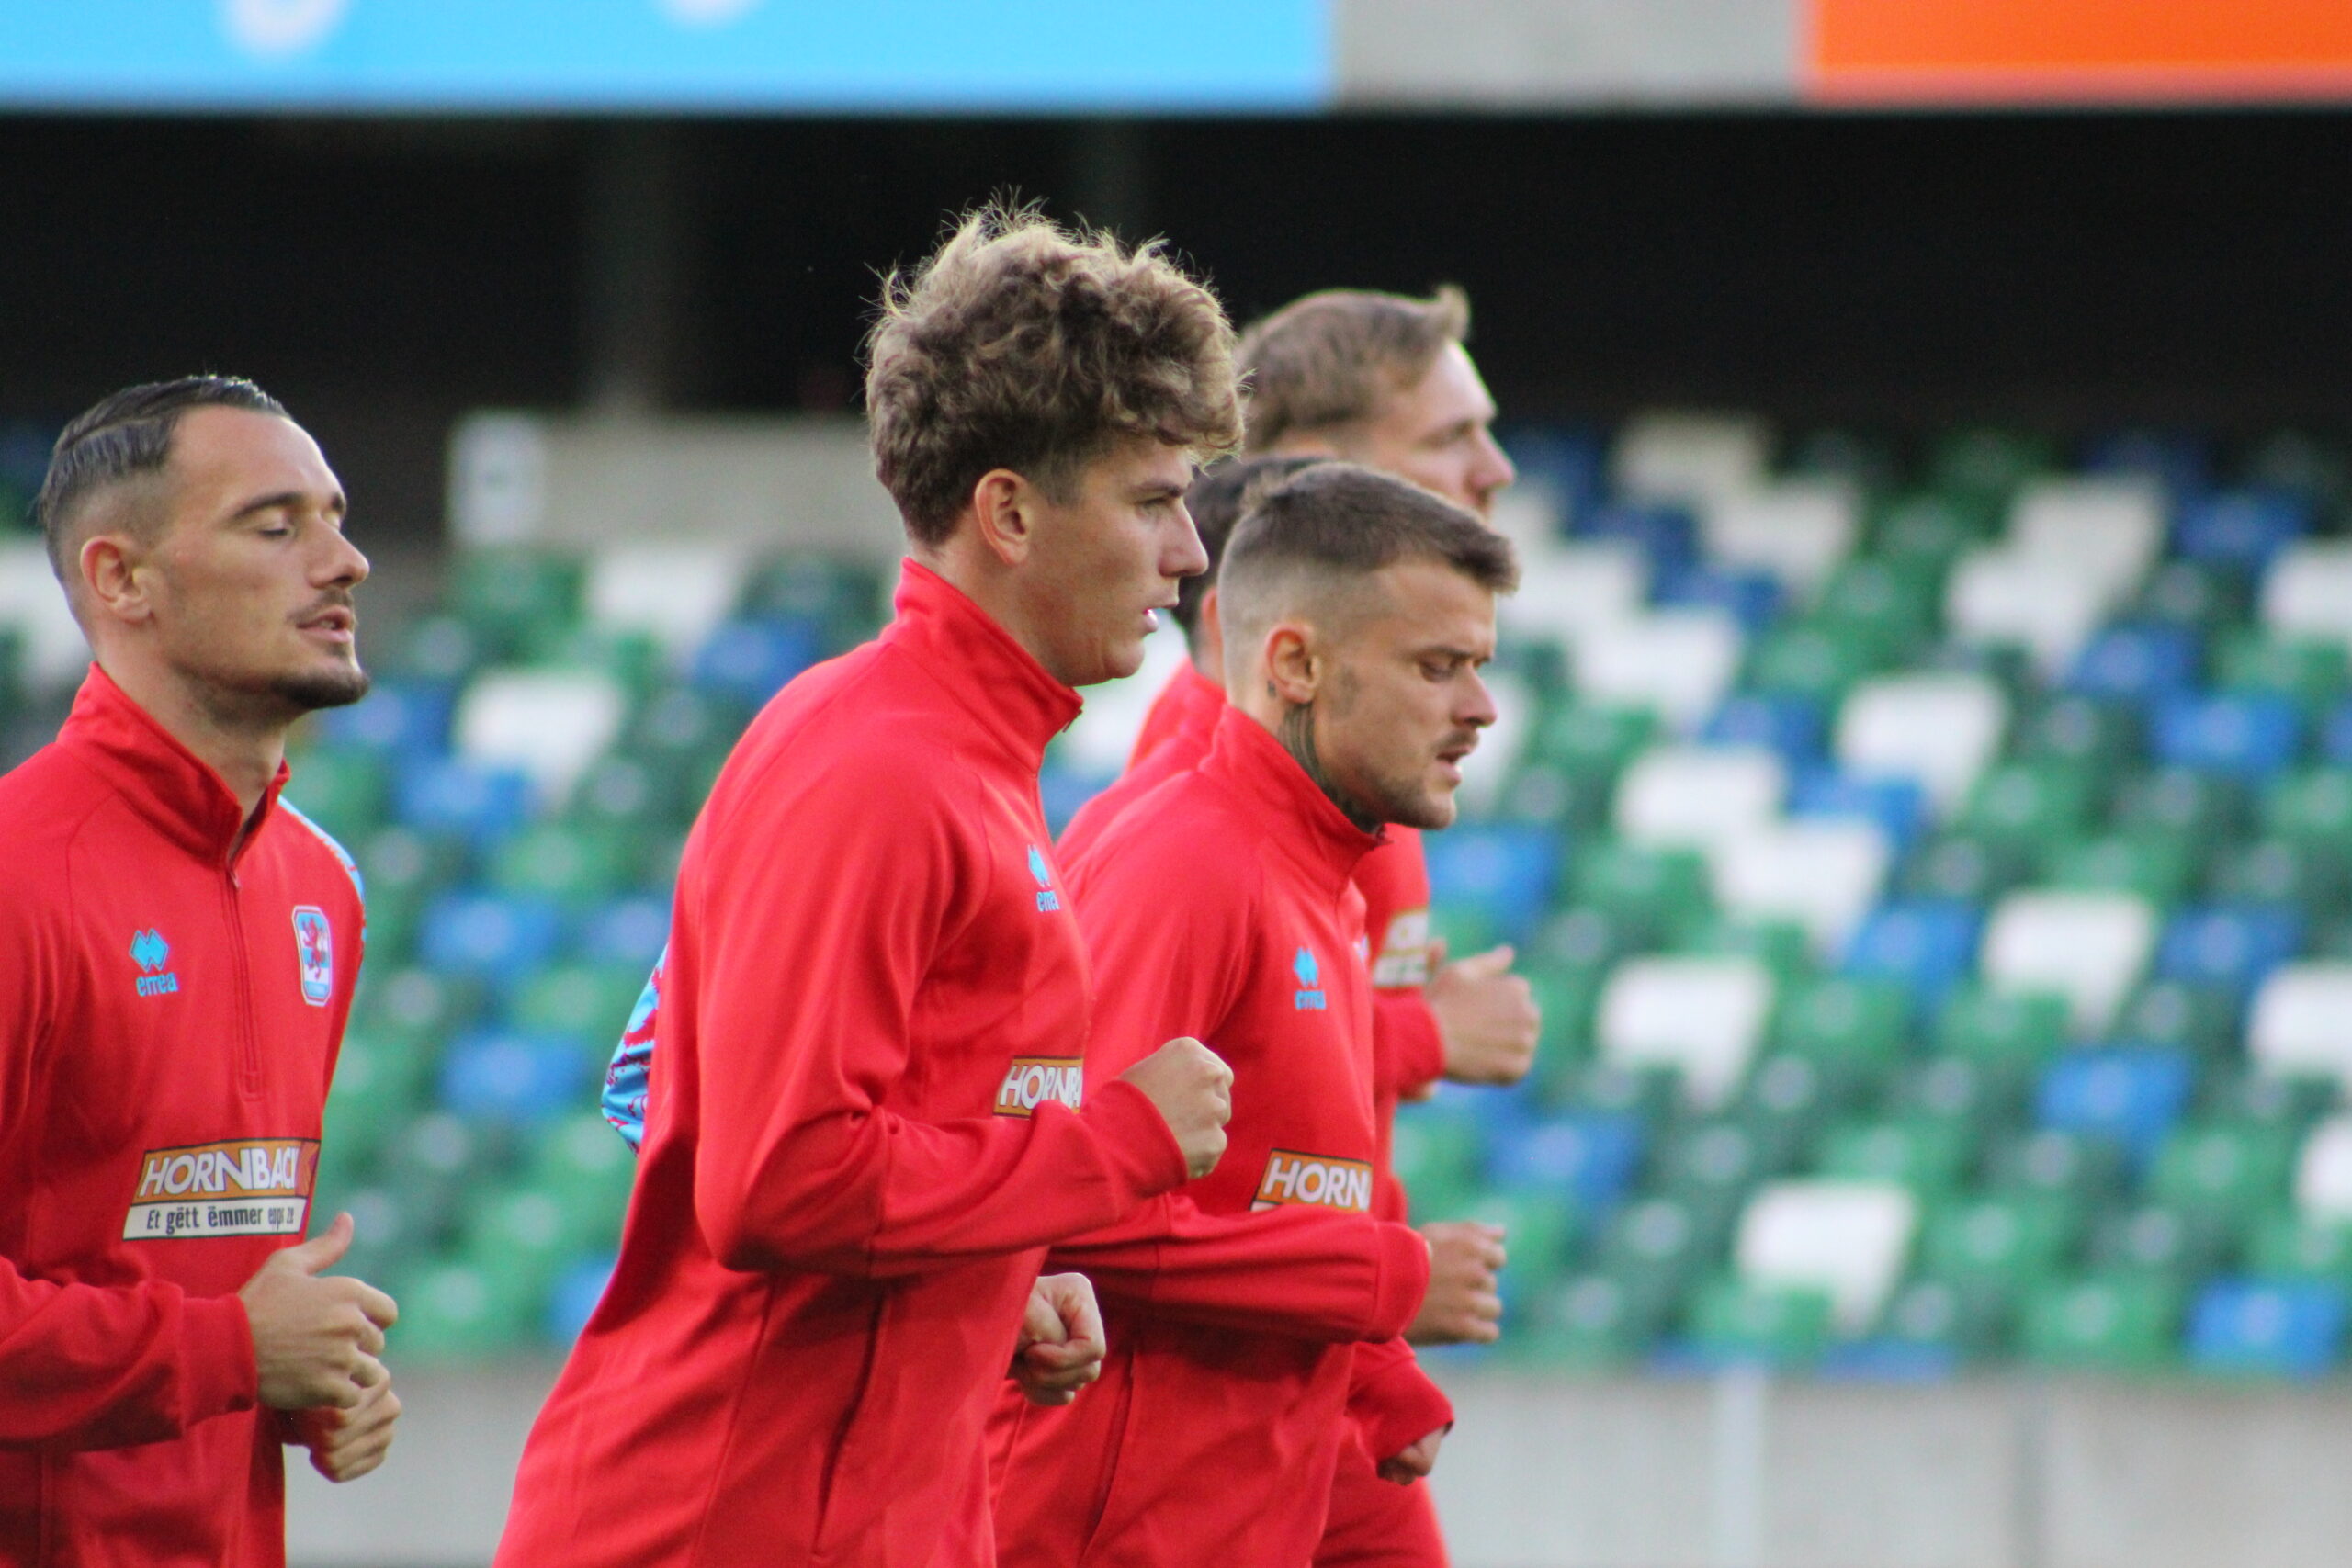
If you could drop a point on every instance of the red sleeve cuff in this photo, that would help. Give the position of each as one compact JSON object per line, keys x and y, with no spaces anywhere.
{"x":1396,"y":1407}
{"x":1404,"y":1281}
{"x":1142,"y":1153}
{"x":1408,"y":1050}
{"x":217,"y":1368}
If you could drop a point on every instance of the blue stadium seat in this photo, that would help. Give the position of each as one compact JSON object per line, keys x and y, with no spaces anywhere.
{"x":1504,"y":872}
{"x":2241,"y":528}
{"x":408,"y":718}
{"x":1899,"y":806}
{"x":1930,"y":945}
{"x":577,"y":1290}
{"x":1667,"y":535}
{"x":2136,"y":662}
{"x":2247,"y":734}
{"x":473,"y":800}
{"x":500,"y":937}
{"x":1751,"y":598}
{"x":499,"y":1076}
{"x":630,"y":931}
{"x":2179,"y":461}
{"x":2229,"y":946}
{"x":1594,"y":1154}
{"x":1062,"y":790}
{"x":2335,"y":737}
{"x":2131,"y":1096}
{"x":752,"y":659}
{"x":1780,"y":721}
{"x":2278,"y":1328}
{"x":1571,"y":463}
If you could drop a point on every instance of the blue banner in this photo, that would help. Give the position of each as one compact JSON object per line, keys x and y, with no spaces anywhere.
{"x":685,"y":55}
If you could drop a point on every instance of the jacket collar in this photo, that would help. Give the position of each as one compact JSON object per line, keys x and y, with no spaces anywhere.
{"x":164,"y":781}
{"x":991,"y":676}
{"x":1247,"y":758}
{"x":1199,"y":702}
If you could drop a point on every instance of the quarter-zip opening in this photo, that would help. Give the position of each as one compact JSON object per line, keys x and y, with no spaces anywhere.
{"x":248,"y":1036}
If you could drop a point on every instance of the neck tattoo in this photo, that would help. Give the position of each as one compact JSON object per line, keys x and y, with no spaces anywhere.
{"x":1298,"y":736}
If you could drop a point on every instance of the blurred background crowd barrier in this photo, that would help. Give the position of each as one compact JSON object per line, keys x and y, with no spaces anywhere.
{"x":1923,"y":799}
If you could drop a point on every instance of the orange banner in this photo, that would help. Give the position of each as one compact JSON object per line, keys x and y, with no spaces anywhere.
{"x":2079,"y":50}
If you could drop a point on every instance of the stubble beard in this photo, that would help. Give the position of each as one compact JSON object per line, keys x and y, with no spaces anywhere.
{"x":276,"y":701}
{"x":1371,"y":810}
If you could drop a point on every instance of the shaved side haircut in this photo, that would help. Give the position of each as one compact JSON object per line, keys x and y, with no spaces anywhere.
{"x":1218,"y":498}
{"x":1312,"y":544}
{"x":1025,"y":346}
{"x":123,"y":437}
{"x":1327,"y":361}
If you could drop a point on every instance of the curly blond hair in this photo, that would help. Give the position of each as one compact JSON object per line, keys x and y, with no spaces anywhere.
{"x":1330,"y":359}
{"x":1021,"y":345}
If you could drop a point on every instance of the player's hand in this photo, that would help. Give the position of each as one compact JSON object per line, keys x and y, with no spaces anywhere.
{"x":1486,"y":1015}
{"x":347,"y":1444}
{"x":316,"y":1340}
{"x":1414,"y":1462}
{"x":1061,"y":1346}
{"x":1192,"y":1088}
{"x":1463,"y":1306}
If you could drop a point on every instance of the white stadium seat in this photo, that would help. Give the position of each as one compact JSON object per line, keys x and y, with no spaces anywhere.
{"x":550,"y":723}
{"x":2005,"y":595}
{"x":2308,"y":592}
{"x":677,"y":594}
{"x":1704,"y":1017}
{"x":1799,"y":530}
{"x":2091,"y":947}
{"x":1699,"y":794}
{"x":2324,"y":1174}
{"x":33,"y":605}
{"x":1848,"y":1239}
{"x":1825,"y":874}
{"x":1677,"y":662}
{"x":2302,"y":1022}
{"x":1940,"y":730}
{"x":1690,"y":459}
{"x":1566,"y":593}
{"x":2107,"y":531}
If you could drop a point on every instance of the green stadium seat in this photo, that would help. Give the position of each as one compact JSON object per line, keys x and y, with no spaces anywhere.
{"x":440,"y":648}
{"x":525,"y":1231}
{"x":1656,"y":892}
{"x":1779,"y":1325}
{"x":1654,"y":1246}
{"x":1986,"y":464}
{"x":516,"y":600}
{"x":2009,"y":1030}
{"x":1593,"y":1322}
{"x":2198,"y":808}
{"x":575,"y":863}
{"x":1968,"y":868}
{"x":2161,"y":1240}
{"x":630,"y":792}
{"x":1566,"y":999}
{"x":344,"y":790}
{"x":2098,"y":736}
{"x":1653,"y":1093}
{"x":1887,"y":602}
{"x":1963,"y":1091}
{"x":2255,"y":1097}
{"x":397,"y":861}
{"x":1930,"y":1156}
{"x":1586,"y":941}
{"x":2237,"y":1171}
{"x":457,"y":1312}
{"x":2313,"y":673}
{"x":1555,"y":795}
{"x":2104,"y":1324}
{"x":424,"y":1007}
{"x":1592,"y":742}
{"x":2161,"y":870}
{"x":2053,"y":1166}
{"x":1799,"y":1093}
{"x":2033,"y":804}
{"x":2311,"y":877}
{"x":1818,"y":659}
{"x":2312,"y":810}
{"x":1964,"y":1321}
{"x":2197,"y":595}
{"x":1711,"y":1165}
{"x":1779,"y":945}
{"x":1542,"y":1233}
{"x":2288,"y":1246}
{"x":1437,"y":1157}
{"x":2201,"y":1019}
{"x":380,"y":1081}
{"x":1847,"y":1019}
{"x":1926,"y":529}
{"x":2009,"y":1242}
{"x":590,"y":1000}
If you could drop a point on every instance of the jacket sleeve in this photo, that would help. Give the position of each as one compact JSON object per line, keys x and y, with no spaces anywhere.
{"x":810,"y":914}
{"x":1392,"y":1401}
{"x":1408,"y":1049}
{"x":86,"y":1366}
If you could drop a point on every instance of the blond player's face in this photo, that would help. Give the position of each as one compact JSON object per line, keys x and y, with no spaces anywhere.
{"x":252,"y":575}
{"x":1439,"y":433}
{"x":1107,"y":557}
{"x":1404,"y":701}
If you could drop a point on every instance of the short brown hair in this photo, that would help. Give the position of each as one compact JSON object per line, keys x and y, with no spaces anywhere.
{"x":1330,"y":358}
{"x":1023,"y":345}
{"x":1219,"y":498}
{"x":1330,"y":525}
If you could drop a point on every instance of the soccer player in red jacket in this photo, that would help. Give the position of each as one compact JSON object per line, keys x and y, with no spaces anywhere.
{"x":1357,"y":612}
{"x":177,"y":952}
{"x":868,"y":1112}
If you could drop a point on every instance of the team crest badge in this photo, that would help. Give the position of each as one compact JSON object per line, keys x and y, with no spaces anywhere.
{"x":314,"y":946}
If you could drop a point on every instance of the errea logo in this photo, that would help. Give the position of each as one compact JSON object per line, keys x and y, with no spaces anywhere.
{"x":1310,"y":998}
{"x":154,"y":956}
{"x":1048,"y":899}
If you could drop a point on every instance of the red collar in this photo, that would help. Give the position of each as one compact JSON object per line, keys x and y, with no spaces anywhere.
{"x":993,"y":676}
{"x":167,"y":783}
{"x":1199,"y":701}
{"x":1247,"y":758}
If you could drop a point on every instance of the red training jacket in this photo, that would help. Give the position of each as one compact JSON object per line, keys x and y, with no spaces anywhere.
{"x":861,"y":1134}
{"x":169,"y":1019}
{"x":1220,"y":905}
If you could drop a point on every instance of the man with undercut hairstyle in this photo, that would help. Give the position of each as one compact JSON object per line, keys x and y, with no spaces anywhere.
{"x":178,"y":947}
{"x":869,"y":1109}
{"x":1357,"y":612}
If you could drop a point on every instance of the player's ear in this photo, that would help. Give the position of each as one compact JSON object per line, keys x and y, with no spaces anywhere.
{"x":1294,"y":668}
{"x":1004,"y":511}
{"x":112,"y":586}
